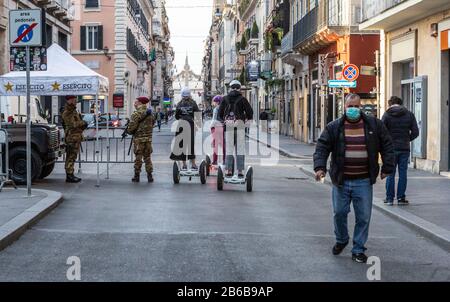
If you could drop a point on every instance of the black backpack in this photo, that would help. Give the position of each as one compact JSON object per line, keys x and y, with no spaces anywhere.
{"x":230,"y":111}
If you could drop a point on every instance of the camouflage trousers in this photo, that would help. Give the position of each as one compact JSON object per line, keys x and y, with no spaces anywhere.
{"x":72,"y":150}
{"x":143,"y":151}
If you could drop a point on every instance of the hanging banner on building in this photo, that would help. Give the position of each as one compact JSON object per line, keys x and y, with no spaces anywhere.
{"x":38,"y":56}
{"x":118,"y":100}
{"x":368,"y":70}
{"x":323,"y":74}
{"x":50,"y":86}
{"x":253,"y":71}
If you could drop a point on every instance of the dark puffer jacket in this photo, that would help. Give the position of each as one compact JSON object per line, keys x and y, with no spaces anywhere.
{"x":234,"y":99}
{"x":332,"y":141}
{"x":402,"y":125}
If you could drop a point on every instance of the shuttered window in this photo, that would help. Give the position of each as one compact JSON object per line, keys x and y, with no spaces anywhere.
{"x":91,"y":37}
{"x":91,"y":4}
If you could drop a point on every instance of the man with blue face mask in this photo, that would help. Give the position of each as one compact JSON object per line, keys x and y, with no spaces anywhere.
{"x":354,"y":142}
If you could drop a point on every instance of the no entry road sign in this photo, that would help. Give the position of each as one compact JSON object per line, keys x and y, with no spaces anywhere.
{"x":25,"y":27}
{"x":350,"y":72}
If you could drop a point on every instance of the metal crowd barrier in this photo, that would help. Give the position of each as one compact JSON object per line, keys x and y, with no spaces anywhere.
{"x":110,"y":149}
{"x":4,"y":167}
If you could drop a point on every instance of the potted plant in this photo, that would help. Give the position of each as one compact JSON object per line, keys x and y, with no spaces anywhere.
{"x":277,"y":36}
{"x":255,"y":30}
{"x":247,"y":34}
{"x":238,"y":46}
{"x":273,"y":111}
{"x":268,"y":41}
{"x":243,"y":44}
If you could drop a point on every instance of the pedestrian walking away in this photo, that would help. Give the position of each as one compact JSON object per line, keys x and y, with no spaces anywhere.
{"x":264,"y":117}
{"x":402,"y":126}
{"x":73,"y":126}
{"x":185,"y":111}
{"x":355,"y":142}
{"x":235,"y":112}
{"x":141,"y":127}
{"x":159,"y":117}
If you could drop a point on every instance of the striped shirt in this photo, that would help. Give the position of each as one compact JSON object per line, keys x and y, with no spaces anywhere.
{"x":356,"y":165}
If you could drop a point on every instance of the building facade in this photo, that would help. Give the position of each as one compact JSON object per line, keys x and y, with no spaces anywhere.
{"x":58,"y":17}
{"x":116,"y":41}
{"x":415,"y":55}
{"x":327,"y":33}
{"x":187,"y":78}
{"x":287,"y":51}
{"x":163,"y":57}
{"x":213,"y":66}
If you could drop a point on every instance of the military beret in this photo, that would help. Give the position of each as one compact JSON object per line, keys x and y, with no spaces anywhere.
{"x":143,"y":99}
{"x":68,"y":97}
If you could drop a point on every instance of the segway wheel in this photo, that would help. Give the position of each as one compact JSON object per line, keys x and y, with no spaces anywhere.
{"x":249,"y":179}
{"x":219,"y":179}
{"x":208,"y":165}
{"x":203,"y":172}
{"x":176,"y":173}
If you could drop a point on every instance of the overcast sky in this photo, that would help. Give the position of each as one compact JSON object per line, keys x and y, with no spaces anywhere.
{"x":189,"y":23}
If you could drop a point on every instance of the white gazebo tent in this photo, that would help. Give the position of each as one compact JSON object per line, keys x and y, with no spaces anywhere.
{"x":65,"y":75}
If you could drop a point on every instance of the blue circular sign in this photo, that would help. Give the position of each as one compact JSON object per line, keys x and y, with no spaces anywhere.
{"x":350,"y":72}
{"x":22,"y":29}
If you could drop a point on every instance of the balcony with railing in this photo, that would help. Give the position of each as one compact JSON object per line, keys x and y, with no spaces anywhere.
{"x":372,"y":8}
{"x":287,"y":43}
{"x":324,"y":24}
{"x":58,"y":8}
{"x":156,"y":28}
{"x":245,"y":7}
{"x":288,"y":54}
{"x":391,"y":14}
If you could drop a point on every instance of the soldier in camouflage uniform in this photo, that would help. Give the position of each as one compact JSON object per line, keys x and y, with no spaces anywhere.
{"x":141,"y":127}
{"x":73,"y":128}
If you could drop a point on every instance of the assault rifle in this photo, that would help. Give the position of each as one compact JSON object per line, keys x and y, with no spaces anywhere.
{"x":125,"y":134}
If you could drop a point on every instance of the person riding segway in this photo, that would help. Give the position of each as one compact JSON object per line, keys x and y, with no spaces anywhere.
{"x":184,"y":142}
{"x":217,"y":133}
{"x":236,"y":113}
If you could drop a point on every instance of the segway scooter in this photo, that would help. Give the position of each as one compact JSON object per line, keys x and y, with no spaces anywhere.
{"x":234,"y":180}
{"x":178,"y":172}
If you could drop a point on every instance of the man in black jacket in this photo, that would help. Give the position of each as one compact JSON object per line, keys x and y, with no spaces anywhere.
{"x":402,"y":125}
{"x":354,"y":142}
{"x":235,"y":112}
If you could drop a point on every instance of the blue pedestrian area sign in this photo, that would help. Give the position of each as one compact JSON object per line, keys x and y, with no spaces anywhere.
{"x":341,"y":84}
{"x":25,"y":27}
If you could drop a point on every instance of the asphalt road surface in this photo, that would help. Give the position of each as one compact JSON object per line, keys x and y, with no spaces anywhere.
{"x":282,"y":231}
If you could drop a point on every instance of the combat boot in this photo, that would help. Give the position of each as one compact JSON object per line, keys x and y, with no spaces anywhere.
{"x":150,"y":177}
{"x":136,"y":177}
{"x":70,"y":178}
